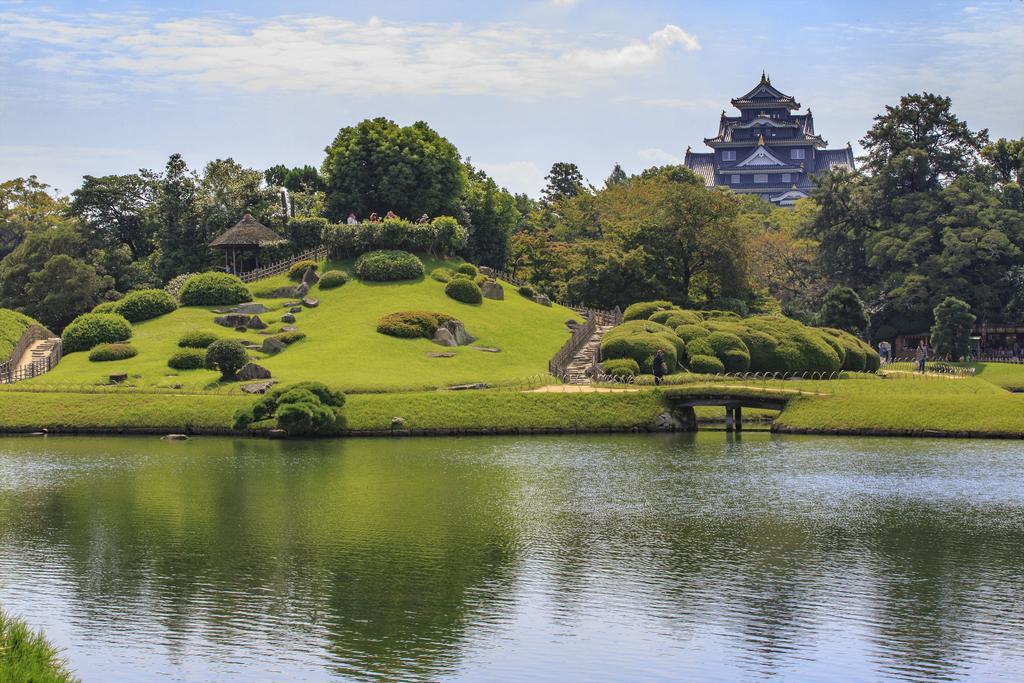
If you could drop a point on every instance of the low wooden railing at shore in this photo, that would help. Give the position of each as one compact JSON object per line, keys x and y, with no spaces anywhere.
{"x":9,"y":370}
{"x":280,"y":267}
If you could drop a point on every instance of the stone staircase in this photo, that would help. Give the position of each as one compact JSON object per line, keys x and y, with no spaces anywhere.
{"x":576,"y":373}
{"x":39,"y":351}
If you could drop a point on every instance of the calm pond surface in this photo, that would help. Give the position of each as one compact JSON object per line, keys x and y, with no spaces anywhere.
{"x":656,"y":557}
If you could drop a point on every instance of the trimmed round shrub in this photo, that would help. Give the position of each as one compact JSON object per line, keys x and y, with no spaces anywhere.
{"x":304,"y":417}
{"x":640,"y":340}
{"x":297,"y":395}
{"x":715,"y":313}
{"x":468,"y":269}
{"x":642,"y":310}
{"x":857,"y":355}
{"x":197,"y":339}
{"x":333,"y":278}
{"x":90,"y":329}
{"x":706,"y":365}
{"x":213,"y":289}
{"x":735,"y":360}
{"x":297,"y":270}
{"x":104,"y":307}
{"x":464,"y":290}
{"x":690,"y":332}
{"x":840,"y":350}
{"x":762,"y":347}
{"x":800,"y":348}
{"x":699,"y":347}
{"x":527,"y":291}
{"x":621,"y":367}
{"x":662,"y":315}
{"x":143,"y":304}
{"x":726,"y":341}
{"x":411,"y":324}
{"x":267,"y":405}
{"x":187,"y":359}
{"x":676,"y":318}
{"x":442,"y":274}
{"x":388,"y":266}
{"x":105,"y":352}
{"x":225,"y":355}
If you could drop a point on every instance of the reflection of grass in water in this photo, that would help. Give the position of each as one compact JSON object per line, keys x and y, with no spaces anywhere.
{"x":25,"y":655}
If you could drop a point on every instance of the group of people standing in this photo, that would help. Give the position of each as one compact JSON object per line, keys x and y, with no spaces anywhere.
{"x":375,"y":218}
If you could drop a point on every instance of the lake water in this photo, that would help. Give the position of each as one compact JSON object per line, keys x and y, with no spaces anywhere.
{"x":598,"y":558}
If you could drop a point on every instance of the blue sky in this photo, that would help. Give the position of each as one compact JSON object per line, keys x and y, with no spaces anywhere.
{"x":110,"y":87}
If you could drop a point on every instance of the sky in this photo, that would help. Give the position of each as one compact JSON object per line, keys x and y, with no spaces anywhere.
{"x":111,"y":87}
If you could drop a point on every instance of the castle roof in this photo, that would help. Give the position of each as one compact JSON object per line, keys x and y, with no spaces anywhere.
{"x":764,"y":94}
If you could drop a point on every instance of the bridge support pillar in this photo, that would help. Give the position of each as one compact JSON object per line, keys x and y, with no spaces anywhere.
{"x":738,"y":412}
{"x":729,"y":418}
{"x":688,"y":417}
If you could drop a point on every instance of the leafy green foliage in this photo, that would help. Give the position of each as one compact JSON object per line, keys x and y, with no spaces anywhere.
{"x":643,"y":310}
{"x":527,"y":291}
{"x":951,"y":333}
{"x":411,"y":324}
{"x":197,"y":339}
{"x":706,"y":365}
{"x":289,"y":338}
{"x":214,"y":289}
{"x":227,"y":356}
{"x":187,"y":359}
{"x":442,"y":274}
{"x":388,"y":266}
{"x":564,"y":181}
{"x":493,"y":218}
{"x":468,"y":269}
{"x":144,"y":304}
{"x":298,"y":269}
{"x":12,"y":325}
{"x":303,"y":408}
{"x":640,"y":340}
{"x":465,"y":290}
{"x":621,"y":367}
{"x":64,"y":288}
{"x":90,"y":329}
{"x":443,"y":236}
{"x":105,"y":352}
{"x":305,"y":232}
{"x":104,"y":307}
{"x":843,"y":309}
{"x":332,"y":279}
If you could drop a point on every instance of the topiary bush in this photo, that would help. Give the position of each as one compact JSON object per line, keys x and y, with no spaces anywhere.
{"x":857,"y":355}
{"x":735,"y":360}
{"x":225,"y":355}
{"x":197,"y":339}
{"x":676,"y":318}
{"x":143,"y":304}
{"x":333,"y":278}
{"x":297,"y":270}
{"x":105,"y":352}
{"x":699,"y":347}
{"x":464,"y":290}
{"x":104,"y":307}
{"x":800,"y":348}
{"x":726,"y":341}
{"x":303,"y":408}
{"x":690,"y":332}
{"x":411,"y":324}
{"x":388,"y":266}
{"x":642,"y":310}
{"x":442,"y":274}
{"x":640,"y":340}
{"x":468,"y":269}
{"x":188,"y":359}
{"x":621,"y":367}
{"x":527,"y":291}
{"x":706,"y":365}
{"x":213,"y":289}
{"x":90,"y":329}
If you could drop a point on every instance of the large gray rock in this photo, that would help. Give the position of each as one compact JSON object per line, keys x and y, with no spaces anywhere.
{"x":285,"y":293}
{"x":487,"y":271}
{"x":289,"y":328}
{"x":443,"y":337}
{"x":251,"y":371}
{"x":295,"y":309}
{"x":310,"y":303}
{"x":542,"y":300}
{"x":255,"y":323}
{"x":492,"y":290}
{"x":258,"y":387}
{"x":250,"y":308}
{"x":271,"y":345}
{"x":288,"y":318}
{"x":458,"y":332}
{"x":232,"y":320}
{"x":310,"y":278}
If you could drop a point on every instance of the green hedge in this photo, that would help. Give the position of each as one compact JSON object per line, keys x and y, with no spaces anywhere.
{"x":443,"y":235}
{"x":91,"y":329}
{"x":197,"y":339}
{"x":143,"y":304}
{"x":214,"y":289}
{"x":388,"y":266}
{"x":468,"y":269}
{"x":735,"y":360}
{"x":527,"y":291}
{"x":642,"y":310}
{"x":188,"y":359}
{"x":442,"y":274}
{"x":621,"y":367}
{"x":640,"y":340}
{"x":106,"y":352}
{"x":304,"y":408}
{"x":411,"y":324}
{"x":464,"y":290}
{"x":333,"y":278}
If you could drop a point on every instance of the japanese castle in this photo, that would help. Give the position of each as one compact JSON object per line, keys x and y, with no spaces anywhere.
{"x":767,"y":149}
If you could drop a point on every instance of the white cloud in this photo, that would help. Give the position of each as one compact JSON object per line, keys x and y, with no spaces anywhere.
{"x":515,"y":176}
{"x":658,"y":157}
{"x":326,"y":54}
{"x":564,"y":3}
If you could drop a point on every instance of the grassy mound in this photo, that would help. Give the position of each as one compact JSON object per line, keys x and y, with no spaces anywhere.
{"x":343,"y":348}
{"x":12,"y":326}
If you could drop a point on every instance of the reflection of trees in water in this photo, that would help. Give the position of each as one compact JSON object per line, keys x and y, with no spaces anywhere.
{"x":369,"y":546}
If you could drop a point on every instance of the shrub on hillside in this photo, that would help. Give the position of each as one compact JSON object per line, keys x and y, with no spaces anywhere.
{"x":388,"y":266}
{"x":621,"y":367}
{"x":411,"y":324}
{"x":735,"y":360}
{"x":642,"y":310}
{"x":225,"y":355}
{"x":104,"y":307}
{"x":333,"y":278}
{"x":213,"y":289}
{"x":706,"y":365}
{"x":288,"y":338}
{"x":726,"y":341}
{"x":305,"y":232}
{"x":690,"y":332}
{"x":143,"y":304}
{"x":91,"y":329}
{"x":442,"y":274}
{"x":674,"y":319}
{"x":197,"y":339}
{"x":187,"y":359}
{"x":700,"y":346}
{"x":527,"y":291}
{"x":858,"y":356}
{"x":443,"y":236}
{"x":303,"y":408}
{"x":468,"y":269}
{"x":297,"y":270}
{"x":640,"y":340}
{"x":105,"y":352}
{"x":464,"y":290}
{"x":800,"y":348}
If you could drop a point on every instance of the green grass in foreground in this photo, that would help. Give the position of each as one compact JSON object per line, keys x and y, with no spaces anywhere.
{"x":27,"y":657}
{"x":343,"y":348}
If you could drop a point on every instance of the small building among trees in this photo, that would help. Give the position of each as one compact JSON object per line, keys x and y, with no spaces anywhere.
{"x":247,"y":236}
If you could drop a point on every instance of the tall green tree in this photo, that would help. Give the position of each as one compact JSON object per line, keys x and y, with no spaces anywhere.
{"x":63,"y":289}
{"x":1006,"y":158}
{"x":842,"y":308}
{"x":117,"y":209}
{"x":29,"y":257}
{"x":492,"y":217}
{"x":616,"y":177}
{"x":26,"y":204}
{"x":564,"y":181}
{"x":378,"y":166}
{"x":951,"y":334}
{"x":175,"y":211}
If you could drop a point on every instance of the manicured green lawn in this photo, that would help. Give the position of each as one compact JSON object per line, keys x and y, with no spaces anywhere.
{"x":343,"y":348}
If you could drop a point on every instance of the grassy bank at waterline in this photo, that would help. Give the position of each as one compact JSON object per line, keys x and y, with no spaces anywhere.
{"x":27,"y":657}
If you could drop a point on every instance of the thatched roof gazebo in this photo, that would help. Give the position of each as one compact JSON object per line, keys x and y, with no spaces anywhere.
{"x":247,"y":234}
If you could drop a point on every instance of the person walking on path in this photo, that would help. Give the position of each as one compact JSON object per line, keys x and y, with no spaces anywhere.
{"x":922,"y":356}
{"x":658,"y":367}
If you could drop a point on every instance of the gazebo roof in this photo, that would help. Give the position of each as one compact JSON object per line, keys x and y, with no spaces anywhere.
{"x":247,"y":233}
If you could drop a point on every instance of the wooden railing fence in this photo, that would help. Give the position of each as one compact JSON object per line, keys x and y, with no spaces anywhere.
{"x":315,"y":254}
{"x":9,"y":370}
